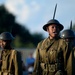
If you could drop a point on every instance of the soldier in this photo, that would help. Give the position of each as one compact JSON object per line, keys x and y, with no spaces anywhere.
{"x":11,"y":63}
{"x":69,"y":36}
{"x":50,"y":53}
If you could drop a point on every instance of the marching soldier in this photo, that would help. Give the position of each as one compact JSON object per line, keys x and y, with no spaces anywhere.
{"x":50,"y":53}
{"x":11,"y":63}
{"x":69,"y":36}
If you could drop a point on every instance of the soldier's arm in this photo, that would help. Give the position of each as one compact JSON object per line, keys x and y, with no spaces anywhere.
{"x":1,"y":59}
{"x":37,"y":63}
{"x":62,"y":58}
{"x":64,"y":49}
{"x":17,"y":63}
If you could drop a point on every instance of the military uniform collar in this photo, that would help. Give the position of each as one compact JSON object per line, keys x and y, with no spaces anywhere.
{"x":56,"y":38}
{"x":7,"y":50}
{"x":47,"y":42}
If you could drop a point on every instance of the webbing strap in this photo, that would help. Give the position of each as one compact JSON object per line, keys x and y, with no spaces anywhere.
{"x":11,"y":58}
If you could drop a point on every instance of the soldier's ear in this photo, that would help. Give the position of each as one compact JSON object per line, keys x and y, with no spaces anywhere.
{"x":47,"y":29}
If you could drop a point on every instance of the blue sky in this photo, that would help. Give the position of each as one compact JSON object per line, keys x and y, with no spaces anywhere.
{"x":33,"y":14}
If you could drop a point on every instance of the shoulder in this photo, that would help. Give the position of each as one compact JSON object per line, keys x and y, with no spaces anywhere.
{"x":15,"y":52}
{"x":62,"y":42}
{"x":43,"y":42}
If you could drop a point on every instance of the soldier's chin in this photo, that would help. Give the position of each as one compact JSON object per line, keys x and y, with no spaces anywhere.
{"x":2,"y":47}
{"x":55,"y":33}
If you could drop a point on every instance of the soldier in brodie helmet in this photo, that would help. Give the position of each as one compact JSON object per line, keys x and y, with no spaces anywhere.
{"x":11,"y":63}
{"x":50,"y":52}
{"x":69,"y":36}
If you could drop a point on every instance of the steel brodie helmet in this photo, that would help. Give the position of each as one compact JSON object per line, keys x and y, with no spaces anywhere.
{"x":6,"y":36}
{"x":53,"y":21}
{"x":67,"y":34}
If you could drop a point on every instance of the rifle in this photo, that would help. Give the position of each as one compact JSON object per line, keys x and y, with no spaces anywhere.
{"x":71,"y":25}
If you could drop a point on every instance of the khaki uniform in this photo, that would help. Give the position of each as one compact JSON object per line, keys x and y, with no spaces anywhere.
{"x":50,"y":57}
{"x":70,"y":68}
{"x":11,"y":63}
{"x":73,"y":61}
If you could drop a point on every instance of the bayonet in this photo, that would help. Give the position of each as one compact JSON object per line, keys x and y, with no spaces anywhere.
{"x":71,"y":25}
{"x":55,"y":11}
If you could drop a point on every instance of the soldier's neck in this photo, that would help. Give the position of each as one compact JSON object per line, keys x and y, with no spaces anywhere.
{"x":54,"y":37}
{"x":8,"y":48}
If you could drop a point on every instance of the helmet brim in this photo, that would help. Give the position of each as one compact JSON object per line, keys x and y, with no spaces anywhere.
{"x":59,"y":25}
{"x":6,"y":36}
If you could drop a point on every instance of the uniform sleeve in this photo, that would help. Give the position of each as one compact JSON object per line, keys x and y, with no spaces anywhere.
{"x":0,"y":59}
{"x":37,"y":62}
{"x":17,"y":63}
{"x":65,"y":49}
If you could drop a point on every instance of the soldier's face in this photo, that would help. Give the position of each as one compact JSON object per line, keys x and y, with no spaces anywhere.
{"x":53,"y":30}
{"x":4,"y":44}
{"x":70,"y":41}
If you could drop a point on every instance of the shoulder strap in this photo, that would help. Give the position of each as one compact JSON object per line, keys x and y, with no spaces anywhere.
{"x":11,"y":58}
{"x":47,"y":46}
{"x":60,"y":42}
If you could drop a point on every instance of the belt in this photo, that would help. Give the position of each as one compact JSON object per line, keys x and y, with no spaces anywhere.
{"x":49,"y":67}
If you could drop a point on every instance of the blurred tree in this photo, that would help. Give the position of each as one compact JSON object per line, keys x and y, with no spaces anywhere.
{"x":22,"y":34}
{"x":37,"y":37}
{"x":17,"y":42}
{"x":6,"y":20}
